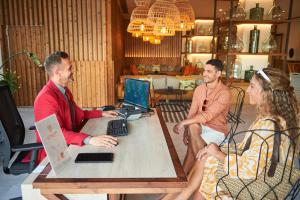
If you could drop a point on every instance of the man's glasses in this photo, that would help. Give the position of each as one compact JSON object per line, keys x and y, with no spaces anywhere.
{"x":204,"y":105}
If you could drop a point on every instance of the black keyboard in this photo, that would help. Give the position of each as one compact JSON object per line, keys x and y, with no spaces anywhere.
{"x":117,"y":127}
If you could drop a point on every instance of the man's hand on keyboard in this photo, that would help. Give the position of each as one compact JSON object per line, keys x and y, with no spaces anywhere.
{"x":104,"y":141}
{"x":109,"y":113}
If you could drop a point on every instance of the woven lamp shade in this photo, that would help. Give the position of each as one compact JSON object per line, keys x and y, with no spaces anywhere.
{"x":155,"y":40}
{"x":139,"y":22}
{"x":140,"y":28}
{"x":146,"y":3}
{"x":139,"y":14}
{"x":164,"y":15}
{"x":187,"y":15}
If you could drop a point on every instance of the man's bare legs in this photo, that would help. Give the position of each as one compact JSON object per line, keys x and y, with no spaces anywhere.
{"x":195,"y":144}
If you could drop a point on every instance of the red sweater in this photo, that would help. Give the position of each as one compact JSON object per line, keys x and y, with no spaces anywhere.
{"x":50,"y":100}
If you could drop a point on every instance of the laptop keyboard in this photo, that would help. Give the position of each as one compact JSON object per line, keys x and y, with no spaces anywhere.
{"x":117,"y":127}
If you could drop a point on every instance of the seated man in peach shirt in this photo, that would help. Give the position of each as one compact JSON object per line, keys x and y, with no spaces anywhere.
{"x":206,"y":122}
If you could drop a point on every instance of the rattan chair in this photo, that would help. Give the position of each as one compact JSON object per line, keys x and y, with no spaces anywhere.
{"x":284,"y":183}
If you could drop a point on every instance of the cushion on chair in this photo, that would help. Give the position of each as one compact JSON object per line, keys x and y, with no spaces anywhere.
{"x":172,"y":82}
{"x":164,"y":68}
{"x":159,"y":82}
{"x":133,"y":69}
{"x":155,"y":68}
{"x":189,"y":70}
{"x":148,"y":68}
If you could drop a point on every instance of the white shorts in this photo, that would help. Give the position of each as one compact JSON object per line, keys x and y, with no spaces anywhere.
{"x":210,"y":135}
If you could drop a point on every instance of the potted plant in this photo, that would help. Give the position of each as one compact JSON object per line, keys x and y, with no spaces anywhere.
{"x":10,"y":78}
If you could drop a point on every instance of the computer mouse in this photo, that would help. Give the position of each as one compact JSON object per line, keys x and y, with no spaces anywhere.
{"x":108,"y":107}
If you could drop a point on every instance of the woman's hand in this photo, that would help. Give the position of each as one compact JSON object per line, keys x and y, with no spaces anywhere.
{"x":202,"y":153}
{"x":214,"y":150}
{"x":104,"y":141}
{"x":109,"y":113}
{"x":178,"y":127}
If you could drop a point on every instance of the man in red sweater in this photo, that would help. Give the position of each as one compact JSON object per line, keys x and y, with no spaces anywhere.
{"x":56,"y":98}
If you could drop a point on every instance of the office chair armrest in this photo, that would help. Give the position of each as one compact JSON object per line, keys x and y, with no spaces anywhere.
{"x":27,"y":147}
{"x":32,"y":128}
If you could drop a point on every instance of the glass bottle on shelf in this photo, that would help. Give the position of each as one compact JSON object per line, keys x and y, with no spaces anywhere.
{"x":254,"y":40}
{"x":202,"y":47}
{"x":249,"y":74}
{"x":256,"y":13}
{"x":275,"y":12}
{"x":189,"y":45}
{"x":237,"y":44}
{"x":237,"y":69}
{"x":238,"y":12}
{"x":269,"y":45}
{"x":186,"y":60}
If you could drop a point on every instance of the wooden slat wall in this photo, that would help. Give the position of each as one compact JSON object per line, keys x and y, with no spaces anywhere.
{"x":118,"y":40}
{"x":31,"y":77}
{"x":80,"y":27}
{"x":168,"y":52}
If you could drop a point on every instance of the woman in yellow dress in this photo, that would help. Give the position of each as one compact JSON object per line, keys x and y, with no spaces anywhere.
{"x":275,"y":100}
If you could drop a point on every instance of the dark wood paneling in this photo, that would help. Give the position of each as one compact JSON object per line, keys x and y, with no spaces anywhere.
{"x":139,"y":52}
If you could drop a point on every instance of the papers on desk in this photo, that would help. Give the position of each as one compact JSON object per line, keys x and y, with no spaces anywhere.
{"x":53,"y":141}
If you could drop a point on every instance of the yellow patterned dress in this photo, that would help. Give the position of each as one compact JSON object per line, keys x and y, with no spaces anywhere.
{"x":247,"y":162}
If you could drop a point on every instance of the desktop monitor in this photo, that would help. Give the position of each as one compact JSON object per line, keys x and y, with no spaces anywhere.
{"x":136,"y":92}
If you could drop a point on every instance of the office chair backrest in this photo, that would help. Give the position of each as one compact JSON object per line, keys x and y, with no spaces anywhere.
{"x":10,"y":117}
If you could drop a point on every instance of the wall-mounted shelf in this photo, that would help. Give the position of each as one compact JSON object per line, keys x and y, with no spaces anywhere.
{"x":196,"y":53}
{"x":238,"y":22}
{"x":250,"y":54}
{"x":191,"y":36}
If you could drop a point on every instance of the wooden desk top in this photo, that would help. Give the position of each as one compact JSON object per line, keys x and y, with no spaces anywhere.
{"x":144,"y":161}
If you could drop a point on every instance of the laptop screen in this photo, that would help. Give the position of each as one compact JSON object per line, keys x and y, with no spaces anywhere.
{"x":137,"y":92}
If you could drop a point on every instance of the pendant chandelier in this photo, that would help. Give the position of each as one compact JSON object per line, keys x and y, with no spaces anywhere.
{"x":145,"y":3}
{"x":164,"y":16}
{"x":139,"y":24}
{"x":187,"y":15}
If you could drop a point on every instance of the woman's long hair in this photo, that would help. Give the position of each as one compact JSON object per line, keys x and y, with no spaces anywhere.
{"x":279,"y":99}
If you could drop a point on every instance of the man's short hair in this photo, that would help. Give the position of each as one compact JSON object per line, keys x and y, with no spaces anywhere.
{"x":216,"y":63}
{"x":54,"y":59}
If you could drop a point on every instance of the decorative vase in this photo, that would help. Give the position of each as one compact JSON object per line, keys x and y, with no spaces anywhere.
{"x":237,"y":45}
{"x":237,"y":69}
{"x":254,"y":40}
{"x":189,"y":45}
{"x":257,"y":13}
{"x":269,"y":45}
{"x":239,"y":12}
{"x":275,"y":12}
{"x":249,"y":74}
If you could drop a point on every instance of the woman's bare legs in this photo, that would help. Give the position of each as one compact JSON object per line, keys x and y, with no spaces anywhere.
{"x":195,"y":179}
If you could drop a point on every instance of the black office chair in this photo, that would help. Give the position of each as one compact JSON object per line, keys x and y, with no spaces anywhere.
{"x":12,"y":134}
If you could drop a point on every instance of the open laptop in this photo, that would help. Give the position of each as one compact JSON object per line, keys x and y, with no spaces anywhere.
{"x":136,"y":94}
{"x":53,"y":141}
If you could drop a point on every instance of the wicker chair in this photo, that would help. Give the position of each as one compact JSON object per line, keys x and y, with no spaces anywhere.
{"x":283,"y":183}
{"x":234,"y":116}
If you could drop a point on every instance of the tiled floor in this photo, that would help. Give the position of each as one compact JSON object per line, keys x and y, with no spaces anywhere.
{"x":10,"y":185}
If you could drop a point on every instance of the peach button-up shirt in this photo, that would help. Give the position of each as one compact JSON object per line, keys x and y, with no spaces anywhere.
{"x":217,"y":106}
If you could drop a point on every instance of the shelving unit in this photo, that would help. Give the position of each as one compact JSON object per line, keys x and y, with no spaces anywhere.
{"x":241,"y":28}
{"x":201,"y":37}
